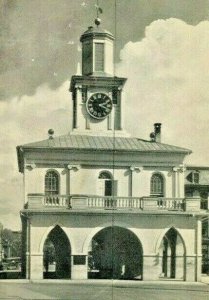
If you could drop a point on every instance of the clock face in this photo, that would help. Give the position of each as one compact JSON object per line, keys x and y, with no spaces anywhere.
{"x":99,"y":105}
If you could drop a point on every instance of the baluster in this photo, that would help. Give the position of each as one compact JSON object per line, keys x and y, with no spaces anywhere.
{"x":100,"y":202}
{"x":164,"y":203}
{"x":169,"y":206}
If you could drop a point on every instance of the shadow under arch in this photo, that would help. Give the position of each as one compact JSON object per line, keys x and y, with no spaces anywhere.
{"x":115,"y":253}
{"x":57,"y":255}
{"x":172,"y":252}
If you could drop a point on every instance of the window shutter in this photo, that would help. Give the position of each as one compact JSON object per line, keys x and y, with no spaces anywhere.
{"x":99,"y":57}
{"x":87,"y":58}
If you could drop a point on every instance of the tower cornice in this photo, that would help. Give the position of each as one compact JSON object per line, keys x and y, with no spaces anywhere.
{"x":96,"y":32}
{"x":96,"y":81}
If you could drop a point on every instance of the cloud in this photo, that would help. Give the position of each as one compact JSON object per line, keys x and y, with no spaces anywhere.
{"x":168,"y":79}
{"x":35,"y":34}
{"x":22,"y":121}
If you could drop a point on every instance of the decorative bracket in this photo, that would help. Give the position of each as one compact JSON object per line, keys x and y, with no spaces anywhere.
{"x":133,"y":168}
{"x":30,"y":167}
{"x":73,"y":167}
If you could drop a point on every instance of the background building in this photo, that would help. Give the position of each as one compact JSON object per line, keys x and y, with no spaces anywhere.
{"x":102,"y":204}
{"x":197,"y":185}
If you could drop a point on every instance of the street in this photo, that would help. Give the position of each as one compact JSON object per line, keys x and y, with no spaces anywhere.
{"x":102,"y":290}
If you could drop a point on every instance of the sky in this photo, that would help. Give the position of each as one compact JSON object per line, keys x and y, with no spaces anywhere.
{"x":161,"y":46}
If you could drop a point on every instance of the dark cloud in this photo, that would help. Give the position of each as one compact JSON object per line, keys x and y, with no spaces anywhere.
{"x":39,"y":39}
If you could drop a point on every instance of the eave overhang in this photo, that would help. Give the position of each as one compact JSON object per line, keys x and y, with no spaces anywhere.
{"x":96,"y":81}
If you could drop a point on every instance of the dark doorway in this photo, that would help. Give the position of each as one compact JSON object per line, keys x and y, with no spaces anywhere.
{"x":57,"y":255}
{"x":108,"y":187}
{"x":115,"y":253}
{"x":173,"y":255}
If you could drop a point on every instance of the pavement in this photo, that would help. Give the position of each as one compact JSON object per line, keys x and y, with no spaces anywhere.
{"x":102,"y":290}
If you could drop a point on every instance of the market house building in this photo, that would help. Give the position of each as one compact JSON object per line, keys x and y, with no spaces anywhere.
{"x":100,"y":203}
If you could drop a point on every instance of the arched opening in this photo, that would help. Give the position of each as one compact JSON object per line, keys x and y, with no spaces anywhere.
{"x":57,"y":255}
{"x":157,"y":185}
{"x":173,"y":255}
{"x":115,"y":253}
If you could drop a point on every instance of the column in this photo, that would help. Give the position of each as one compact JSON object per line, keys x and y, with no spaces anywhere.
{"x":68,"y":176}
{"x":131,"y":182}
{"x":36,"y":266}
{"x":79,"y":266}
{"x":151,"y":267}
{"x":175,"y":182}
{"x":199,"y":249}
{"x":178,"y":183}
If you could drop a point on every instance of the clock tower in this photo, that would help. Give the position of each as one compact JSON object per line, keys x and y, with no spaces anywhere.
{"x":97,"y":92}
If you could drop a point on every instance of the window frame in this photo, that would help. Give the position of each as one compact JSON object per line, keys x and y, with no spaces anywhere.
{"x":49,"y":190}
{"x":99,"y":62}
{"x":107,"y":179}
{"x":158,"y":191}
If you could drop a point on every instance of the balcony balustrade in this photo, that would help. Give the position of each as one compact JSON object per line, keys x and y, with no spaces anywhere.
{"x":88,"y":202}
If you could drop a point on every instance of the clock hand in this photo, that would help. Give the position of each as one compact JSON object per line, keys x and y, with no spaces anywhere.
{"x":102,"y":105}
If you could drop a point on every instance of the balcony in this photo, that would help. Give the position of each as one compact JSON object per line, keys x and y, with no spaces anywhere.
{"x":88,"y":202}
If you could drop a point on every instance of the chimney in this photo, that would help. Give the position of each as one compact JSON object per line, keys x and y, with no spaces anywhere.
{"x":157,"y":131}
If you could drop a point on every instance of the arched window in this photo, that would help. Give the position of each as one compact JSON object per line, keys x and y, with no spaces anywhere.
{"x":105,"y":175}
{"x":52,"y":183}
{"x":108,"y":183}
{"x":157,"y":185}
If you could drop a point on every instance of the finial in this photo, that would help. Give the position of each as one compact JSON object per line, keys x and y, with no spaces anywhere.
{"x":97,"y":21}
{"x":99,"y":12}
{"x":50,"y":133}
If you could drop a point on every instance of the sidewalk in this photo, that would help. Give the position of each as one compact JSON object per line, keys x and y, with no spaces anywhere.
{"x":117,"y":283}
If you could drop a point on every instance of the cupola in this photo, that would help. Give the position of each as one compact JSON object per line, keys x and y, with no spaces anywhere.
{"x":97,"y":51}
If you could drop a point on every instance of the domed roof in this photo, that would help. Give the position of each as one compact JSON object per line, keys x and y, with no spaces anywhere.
{"x":96,"y":31}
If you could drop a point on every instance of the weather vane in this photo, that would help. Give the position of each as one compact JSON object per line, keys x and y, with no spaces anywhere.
{"x":99,"y":12}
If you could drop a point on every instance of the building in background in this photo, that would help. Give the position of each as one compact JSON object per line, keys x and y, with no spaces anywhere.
{"x":197,"y":185}
{"x":100,"y":203}
{"x":1,"y":242}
